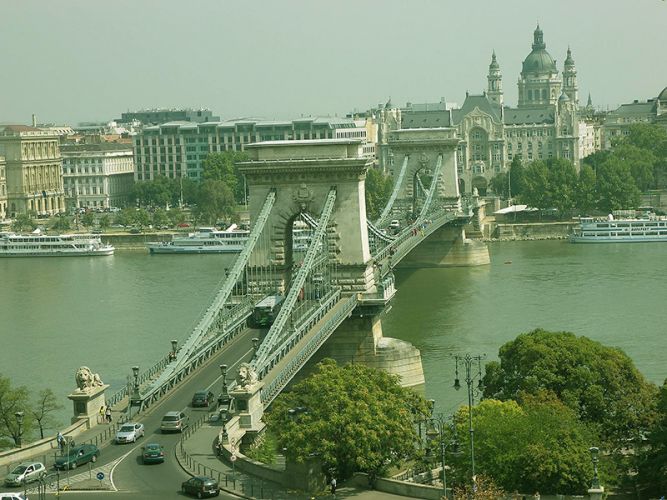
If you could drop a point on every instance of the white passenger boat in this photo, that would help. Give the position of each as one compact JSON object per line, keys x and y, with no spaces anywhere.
{"x":612,"y":230}
{"x":205,"y":240}
{"x":43,"y":245}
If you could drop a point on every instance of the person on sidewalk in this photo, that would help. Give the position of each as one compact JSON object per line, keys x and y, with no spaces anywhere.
{"x":108,"y":414}
{"x":61,"y":441}
{"x":333,"y":486}
{"x":101,"y":418}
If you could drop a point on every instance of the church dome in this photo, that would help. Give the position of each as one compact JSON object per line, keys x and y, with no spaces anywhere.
{"x":539,"y":60}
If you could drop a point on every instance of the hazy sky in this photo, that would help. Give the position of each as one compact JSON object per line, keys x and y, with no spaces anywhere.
{"x":77,"y":60}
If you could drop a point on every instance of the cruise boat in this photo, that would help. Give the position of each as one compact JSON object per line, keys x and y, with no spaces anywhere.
{"x":43,"y":245}
{"x":624,"y":230}
{"x":205,"y":240}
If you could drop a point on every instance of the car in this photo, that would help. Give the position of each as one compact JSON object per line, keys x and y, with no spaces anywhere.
{"x":226,"y":407}
{"x":129,"y":432}
{"x":13,"y":495}
{"x":395,"y":225}
{"x":202,"y":398}
{"x":152,"y":453}
{"x":201,"y":486}
{"x":25,"y":472}
{"x":174,"y":421}
{"x":78,"y":455}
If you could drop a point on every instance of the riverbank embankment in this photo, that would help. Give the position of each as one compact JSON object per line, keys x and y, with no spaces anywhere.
{"x":525,"y":231}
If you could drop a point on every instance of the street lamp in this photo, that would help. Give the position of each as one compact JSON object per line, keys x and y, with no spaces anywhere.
{"x":468,"y":362}
{"x":19,"y":421}
{"x":595,"y":484}
{"x":223,"y":371}
{"x":255,"y":345}
{"x":174,"y":346}
{"x":435,"y":431}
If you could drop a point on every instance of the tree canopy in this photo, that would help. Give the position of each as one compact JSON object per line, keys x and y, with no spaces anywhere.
{"x":538,"y":445}
{"x":222,"y":167}
{"x":378,"y":191}
{"x":355,"y":418}
{"x":652,"y":476}
{"x":600,"y":384}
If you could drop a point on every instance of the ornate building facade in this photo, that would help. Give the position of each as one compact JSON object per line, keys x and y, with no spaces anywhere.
{"x":33,"y":170}
{"x":545,"y":123}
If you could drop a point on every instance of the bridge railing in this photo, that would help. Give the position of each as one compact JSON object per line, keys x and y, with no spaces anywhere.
{"x":234,"y":325}
{"x":270,"y":391}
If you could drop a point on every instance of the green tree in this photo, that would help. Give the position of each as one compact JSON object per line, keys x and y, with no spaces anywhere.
{"x":357,"y":419}
{"x":23,"y":222}
{"x":594,"y":160}
{"x":537,"y":446}
{"x":159,"y":218}
{"x":176,"y":216}
{"x":500,"y":184}
{"x":43,"y":408}
{"x":517,"y":178}
{"x":600,"y":384}
{"x":125,"y":217}
{"x":222,"y":167}
{"x":215,"y":201}
{"x":562,"y":182}
{"x":616,"y":187}
{"x":13,"y":400}
{"x":61,"y":224}
{"x":378,"y":191}
{"x":104,"y":222}
{"x":142,"y":218}
{"x":641,"y":163}
{"x":652,"y":478}
{"x":585,"y":194}
{"x":536,"y":186}
{"x":88,"y":219}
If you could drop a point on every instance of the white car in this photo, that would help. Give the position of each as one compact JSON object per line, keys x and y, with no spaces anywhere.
{"x":25,"y":472}
{"x":12,"y":495}
{"x":129,"y":433}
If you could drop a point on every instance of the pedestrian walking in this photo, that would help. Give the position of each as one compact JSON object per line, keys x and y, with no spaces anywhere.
{"x":333,"y":486}
{"x":101,"y":417}
{"x":107,"y":413}
{"x":61,"y":441}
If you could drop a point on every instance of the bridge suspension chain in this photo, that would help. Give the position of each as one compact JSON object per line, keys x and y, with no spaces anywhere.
{"x":431,"y":192}
{"x":208,"y":320}
{"x":277,"y":331}
{"x":394,"y":194}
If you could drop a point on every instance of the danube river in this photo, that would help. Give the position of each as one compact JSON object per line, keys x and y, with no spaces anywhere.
{"x":111,"y":313}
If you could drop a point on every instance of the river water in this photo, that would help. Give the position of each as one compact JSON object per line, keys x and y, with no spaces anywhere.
{"x":111,"y":313}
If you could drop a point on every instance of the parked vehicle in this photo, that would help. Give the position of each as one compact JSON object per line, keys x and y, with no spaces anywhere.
{"x":12,"y":495}
{"x":174,"y":421}
{"x":226,"y":407}
{"x":25,"y":472}
{"x":129,"y":433}
{"x":201,"y":486}
{"x":202,"y":398}
{"x":78,"y":455}
{"x":153,"y":453}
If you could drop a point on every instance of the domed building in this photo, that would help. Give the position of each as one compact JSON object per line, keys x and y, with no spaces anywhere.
{"x":545,"y":123}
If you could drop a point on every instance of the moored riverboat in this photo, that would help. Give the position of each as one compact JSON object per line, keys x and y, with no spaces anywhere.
{"x":47,"y":245}
{"x":624,"y":230}
{"x":205,"y":240}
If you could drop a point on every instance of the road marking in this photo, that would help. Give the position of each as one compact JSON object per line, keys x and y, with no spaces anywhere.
{"x":118,"y":461}
{"x":230,"y":367}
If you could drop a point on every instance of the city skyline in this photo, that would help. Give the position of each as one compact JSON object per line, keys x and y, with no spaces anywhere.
{"x":80,"y":61}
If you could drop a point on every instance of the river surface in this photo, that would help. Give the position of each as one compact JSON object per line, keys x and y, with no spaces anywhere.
{"x":110,"y":313}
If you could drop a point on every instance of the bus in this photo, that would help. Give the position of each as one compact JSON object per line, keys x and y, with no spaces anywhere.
{"x":266,"y":310}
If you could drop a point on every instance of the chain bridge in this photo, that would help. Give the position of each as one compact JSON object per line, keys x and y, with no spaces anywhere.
{"x":312,"y":245}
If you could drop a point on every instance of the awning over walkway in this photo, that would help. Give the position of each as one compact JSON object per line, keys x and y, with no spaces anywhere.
{"x":512,"y":209}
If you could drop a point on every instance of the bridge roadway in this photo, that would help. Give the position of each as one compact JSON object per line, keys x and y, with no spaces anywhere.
{"x":122,"y":463}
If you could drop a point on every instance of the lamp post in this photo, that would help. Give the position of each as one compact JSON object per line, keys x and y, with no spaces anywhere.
{"x":436,"y":430}
{"x":223,"y":371}
{"x":255,"y":345}
{"x":468,"y":361}
{"x":174,"y":347}
{"x":19,"y":422}
{"x":136,"y":396}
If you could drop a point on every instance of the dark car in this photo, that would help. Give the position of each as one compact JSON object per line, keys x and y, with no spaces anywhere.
{"x":201,"y":486}
{"x":78,"y":455}
{"x":226,"y":407}
{"x":153,"y":453}
{"x":202,"y":398}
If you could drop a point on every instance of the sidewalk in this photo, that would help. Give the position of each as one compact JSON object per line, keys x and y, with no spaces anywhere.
{"x":203,"y":461}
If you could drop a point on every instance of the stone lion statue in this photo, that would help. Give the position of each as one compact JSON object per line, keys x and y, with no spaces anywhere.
{"x":86,"y":379}
{"x":246,"y":376}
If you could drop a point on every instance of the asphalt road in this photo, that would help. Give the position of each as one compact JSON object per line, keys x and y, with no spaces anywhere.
{"x":122,"y":463}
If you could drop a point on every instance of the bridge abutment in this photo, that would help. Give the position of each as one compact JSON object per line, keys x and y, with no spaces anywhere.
{"x":359,"y":339}
{"x":447,"y":247}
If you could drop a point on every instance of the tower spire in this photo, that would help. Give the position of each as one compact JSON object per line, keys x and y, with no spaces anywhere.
{"x":495,"y":81}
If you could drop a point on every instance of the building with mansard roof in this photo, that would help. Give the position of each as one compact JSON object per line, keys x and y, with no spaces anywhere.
{"x":544,"y":124}
{"x":617,"y":123}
